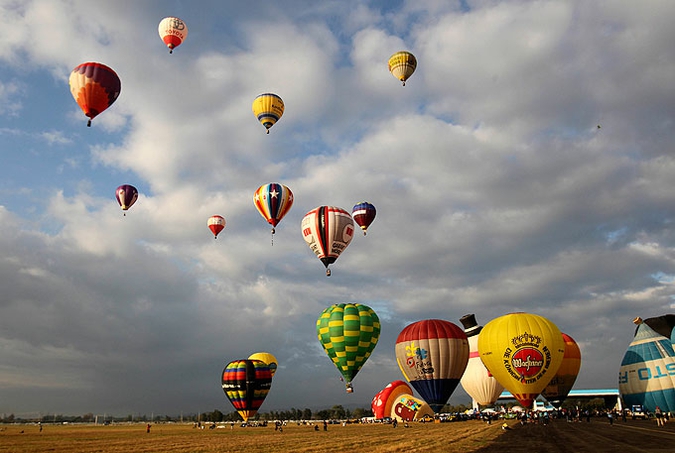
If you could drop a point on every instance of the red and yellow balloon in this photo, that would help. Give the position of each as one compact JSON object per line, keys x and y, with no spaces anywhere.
{"x":95,"y":87}
{"x":384,"y":400}
{"x":273,"y":201}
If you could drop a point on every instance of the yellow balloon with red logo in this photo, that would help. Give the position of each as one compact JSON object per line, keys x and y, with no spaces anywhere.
{"x":523,"y":352}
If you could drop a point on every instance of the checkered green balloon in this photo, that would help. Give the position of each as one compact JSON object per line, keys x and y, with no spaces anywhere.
{"x":348,"y":333}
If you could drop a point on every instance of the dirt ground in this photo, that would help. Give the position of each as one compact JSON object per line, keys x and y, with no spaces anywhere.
{"x":596,"y":436}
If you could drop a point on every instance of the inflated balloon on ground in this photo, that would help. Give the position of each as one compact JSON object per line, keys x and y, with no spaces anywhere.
{"x":432,"y":355}
{"x":562,"y":382}
{"x":647,"y":372}
{"x":477,"y":381}
{"x":246,"y":384}
{"x":523,"y":352}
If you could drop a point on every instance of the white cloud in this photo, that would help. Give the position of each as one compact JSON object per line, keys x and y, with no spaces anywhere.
{"x":494,"y":187}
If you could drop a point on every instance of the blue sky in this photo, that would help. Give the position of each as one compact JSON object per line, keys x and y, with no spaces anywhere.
{"x":496,"y":191}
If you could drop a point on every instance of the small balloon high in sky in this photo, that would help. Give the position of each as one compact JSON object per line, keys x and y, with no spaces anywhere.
{"x":173,"y":32}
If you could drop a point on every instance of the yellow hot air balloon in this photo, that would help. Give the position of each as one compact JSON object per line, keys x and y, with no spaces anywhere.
{"x":268,"y":108}
{"x":523,"y":352}
{"x":266,"y":358}
{"x":402,"y":65}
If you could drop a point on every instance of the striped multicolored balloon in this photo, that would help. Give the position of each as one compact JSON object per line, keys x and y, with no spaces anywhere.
{"x":246,"y":384}
{"x":273,"y":202}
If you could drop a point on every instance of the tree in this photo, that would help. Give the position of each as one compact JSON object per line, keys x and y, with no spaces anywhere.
{"x":323,"y":414}
{"x":359,"y":413}
{"x":306,"y":414}
{"x":338,"y":412}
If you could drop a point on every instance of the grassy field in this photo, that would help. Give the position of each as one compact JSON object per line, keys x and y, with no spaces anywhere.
{"x":597,"y":436}
{"x":170,"y":438}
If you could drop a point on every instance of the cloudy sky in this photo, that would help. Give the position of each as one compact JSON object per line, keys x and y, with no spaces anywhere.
{"x":496,"y":189}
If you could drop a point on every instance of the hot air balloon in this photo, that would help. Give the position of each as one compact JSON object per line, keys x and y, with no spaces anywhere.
{"x":273,"y":201}
{"x":216,"y":223}
{"x":327,"y":230}
{"x":432,"y":355}
{"x":363,"y":214}
{"x":523,"y":352}
{"x":126,"y":196}
{"x":662,"y":325}
{"x":647,"y":373}
{"x":246,"y":384}
{"x":382,"y":402}
{"x":268,"y":108}
{"x":406,"y":408}
{"x":173,"y":32}
{"x":402,"y":65}
{"x":477,"y":380}
{"x":562,"y":382}
{"x":348,"y":334}
{"x":95,"y":87}
{"x":267,"y":358}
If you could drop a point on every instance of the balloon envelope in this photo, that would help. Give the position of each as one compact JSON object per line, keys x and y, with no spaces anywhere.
{"x":384,"y":400}
{"x":273,"y":202}
{"x":363,"y":214}
{"x":216,"y":224}
{"x":523,"y":352}
{"x":477,"y":380}
{"x":432,"y":355}
{"x":662,"y":325}
{"x":126,"y":196}
{"x":562,"y":382}
{"x":268,"y":108}
{"x":266,"y":358}
{"x":246,"y":383}
{"x":406,"y":408}
{"x":348,"y":334}
{"x":95,"y":87}
{"x":647,"y":373}
{"x":327,"y":230}
{"x":173,"y":32}
{"x":402,"y":65}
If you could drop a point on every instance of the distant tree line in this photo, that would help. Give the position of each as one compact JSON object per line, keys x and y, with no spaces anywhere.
{"x":337,"y":412}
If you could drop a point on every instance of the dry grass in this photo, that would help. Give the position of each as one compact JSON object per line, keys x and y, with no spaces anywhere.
{"x":597,"y":436}
{"x":173,"y":438}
